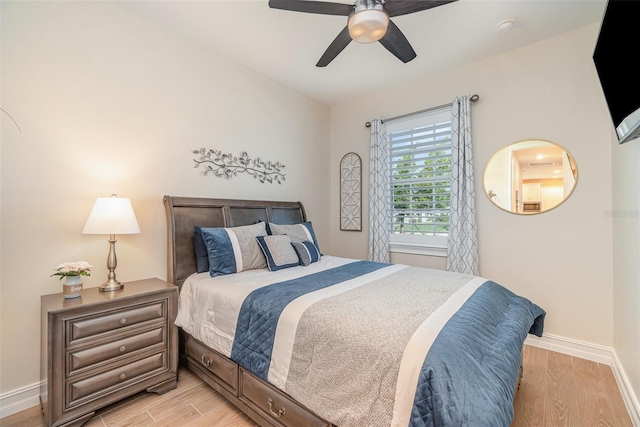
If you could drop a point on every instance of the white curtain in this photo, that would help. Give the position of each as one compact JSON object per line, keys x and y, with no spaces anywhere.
{"x":379,"y":198}
{"x":462,"y":252}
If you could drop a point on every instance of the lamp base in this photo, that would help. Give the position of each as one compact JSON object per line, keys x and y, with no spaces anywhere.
{"x":111,"y":285}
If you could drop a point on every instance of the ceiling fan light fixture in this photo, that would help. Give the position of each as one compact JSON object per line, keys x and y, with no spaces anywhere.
{"x":367,"y":22}
{"x":368,"y":26}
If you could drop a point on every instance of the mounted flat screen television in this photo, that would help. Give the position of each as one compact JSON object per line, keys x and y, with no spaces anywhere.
{"x":617,"y":60}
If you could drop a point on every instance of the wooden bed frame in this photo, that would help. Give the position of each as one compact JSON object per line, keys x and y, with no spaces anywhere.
{"x":262,"y":402}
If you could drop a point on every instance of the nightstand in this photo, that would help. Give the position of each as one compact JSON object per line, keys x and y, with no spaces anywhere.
{"x":104,"y":346}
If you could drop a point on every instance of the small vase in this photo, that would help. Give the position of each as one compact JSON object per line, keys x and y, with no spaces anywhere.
{"x":72,"y":286}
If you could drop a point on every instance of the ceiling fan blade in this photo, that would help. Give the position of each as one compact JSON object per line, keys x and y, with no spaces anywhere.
{"x":395,"y":42}
{"x":321,"y":7}
{"x":336,"y":46}
{"x":404,"y":7}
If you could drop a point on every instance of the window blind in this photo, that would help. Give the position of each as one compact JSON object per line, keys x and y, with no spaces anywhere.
{"x":421,"y":178}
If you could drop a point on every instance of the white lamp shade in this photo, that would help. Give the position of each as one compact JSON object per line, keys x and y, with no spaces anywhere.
{"x":111,"y":215}
{"x":368,"y":26}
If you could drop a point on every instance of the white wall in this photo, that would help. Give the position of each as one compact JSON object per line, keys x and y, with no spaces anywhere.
{"x":109,"y":103}
{"x":562,"y":260}
{"x":626,"y":256}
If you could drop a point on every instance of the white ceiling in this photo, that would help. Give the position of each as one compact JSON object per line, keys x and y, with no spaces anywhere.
{"x":543,"y":162}
{"x":285,"y":46}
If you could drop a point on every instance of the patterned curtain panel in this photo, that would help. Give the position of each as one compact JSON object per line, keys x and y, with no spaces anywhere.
{"x":379,"y":199}
{"x":462,"y":252}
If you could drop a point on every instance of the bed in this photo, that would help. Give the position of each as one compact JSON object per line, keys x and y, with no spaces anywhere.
{"x":340,"y":341}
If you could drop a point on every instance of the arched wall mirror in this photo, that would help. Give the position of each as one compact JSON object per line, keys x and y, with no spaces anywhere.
{"x":530,"y":177}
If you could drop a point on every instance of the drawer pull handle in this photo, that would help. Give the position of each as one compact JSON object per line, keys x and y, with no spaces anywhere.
{"x":123,"y":349}
{"x":207,"y":362}
{"x":123,"y":376}
{"x":123,"y":320}
{"x":276,"y":414}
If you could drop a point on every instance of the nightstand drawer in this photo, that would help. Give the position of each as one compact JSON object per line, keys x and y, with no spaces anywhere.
{"x":112,"y":350}
{"x":114,"y":379}
{"x":90,"y":326}
{"x":210,"y":360}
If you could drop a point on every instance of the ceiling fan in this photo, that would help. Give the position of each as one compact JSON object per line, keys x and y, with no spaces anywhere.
{"x":368,"y":21}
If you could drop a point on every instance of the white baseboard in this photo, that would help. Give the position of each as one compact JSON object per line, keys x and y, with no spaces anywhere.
{"x":629,"y":397}
{"x":583,"y":350}
{"x":595,"y":353}
{"x":19,"y":400}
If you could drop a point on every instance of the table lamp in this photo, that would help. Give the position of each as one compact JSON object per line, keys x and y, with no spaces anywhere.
{"x":111,"y":215}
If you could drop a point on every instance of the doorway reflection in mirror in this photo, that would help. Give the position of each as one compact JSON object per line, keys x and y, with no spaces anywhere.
{"x":530,"y":177}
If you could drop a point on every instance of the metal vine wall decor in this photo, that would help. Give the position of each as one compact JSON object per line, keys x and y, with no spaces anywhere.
{"x":227,"y":166}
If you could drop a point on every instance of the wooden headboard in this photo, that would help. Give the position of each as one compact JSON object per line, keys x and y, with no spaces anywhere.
{"x":184,"y":213}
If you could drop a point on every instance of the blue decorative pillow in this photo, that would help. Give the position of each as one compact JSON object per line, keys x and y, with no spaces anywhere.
{"x":235,"y":249}
{"x":278,"y":252}
{"x":266,"y":224}
{"x":307,"y":252}
{"x":297,"y":232}
{"x":202,"y":258}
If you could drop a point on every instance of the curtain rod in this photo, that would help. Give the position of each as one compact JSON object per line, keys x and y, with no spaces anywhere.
{"x":473,"y":98}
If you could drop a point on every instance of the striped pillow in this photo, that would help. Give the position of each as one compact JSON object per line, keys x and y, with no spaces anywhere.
{"x":298,"y":232}
{"x":307,"y":252}
{"x":235,"y":249}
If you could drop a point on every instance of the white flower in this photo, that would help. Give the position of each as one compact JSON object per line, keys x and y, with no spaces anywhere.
{"x":75,"y":268}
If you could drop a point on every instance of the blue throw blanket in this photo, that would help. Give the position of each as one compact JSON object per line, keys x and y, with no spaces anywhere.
{"x":459,"y":382}
{"x":469,"y":375}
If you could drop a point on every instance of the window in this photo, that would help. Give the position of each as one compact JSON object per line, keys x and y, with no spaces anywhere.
{"x":420,"y":168}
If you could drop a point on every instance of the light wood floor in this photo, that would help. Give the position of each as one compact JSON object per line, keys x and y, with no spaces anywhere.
{"x":556,"y":390}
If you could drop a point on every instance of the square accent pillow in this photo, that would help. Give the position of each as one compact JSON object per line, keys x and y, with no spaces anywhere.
{"x":202,"y":257}
{"x":297,"y":232}
{"x":307,"y":252}
{"x":235,"y":249}
{"x":278,"y":252}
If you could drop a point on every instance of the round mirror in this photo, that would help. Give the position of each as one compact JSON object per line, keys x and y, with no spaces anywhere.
{"x":530,"y":177}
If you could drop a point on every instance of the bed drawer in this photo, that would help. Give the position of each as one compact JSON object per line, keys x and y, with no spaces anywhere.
{"x":78,"y":360}
{"x":214,"y":362}
{"x":275,"y":405}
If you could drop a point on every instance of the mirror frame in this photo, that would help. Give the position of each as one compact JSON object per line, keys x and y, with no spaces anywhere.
{"x":572,"y":162}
